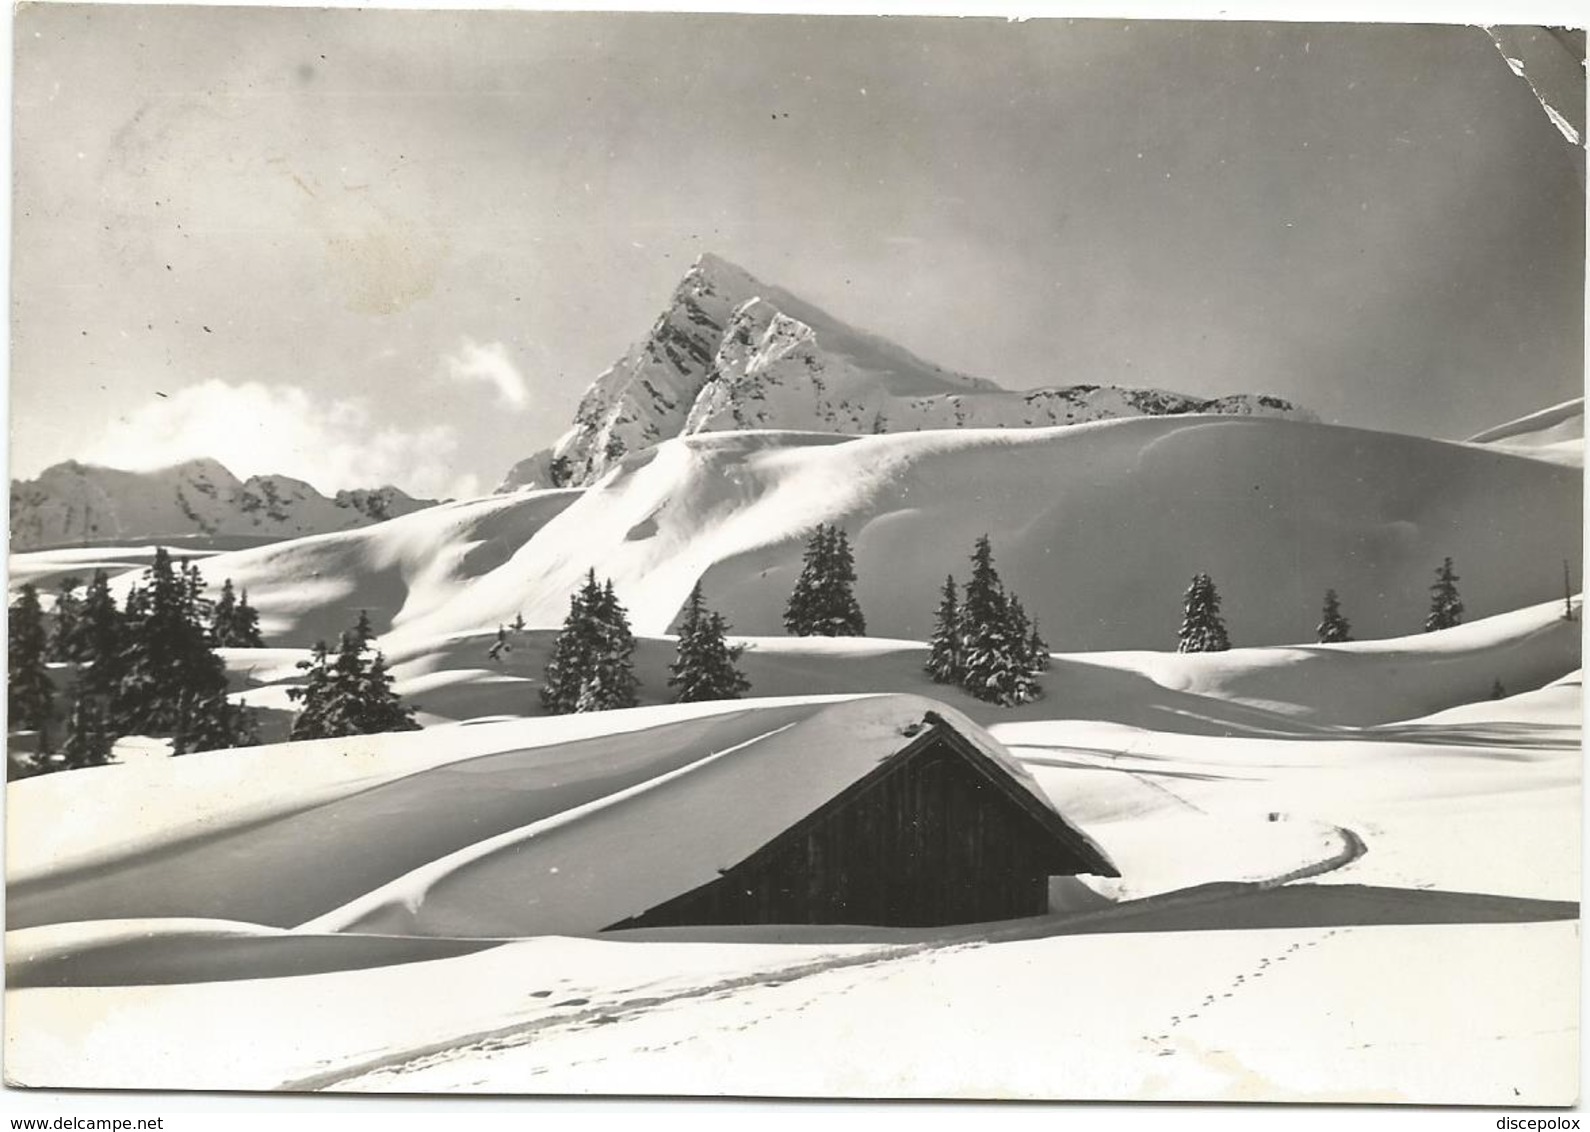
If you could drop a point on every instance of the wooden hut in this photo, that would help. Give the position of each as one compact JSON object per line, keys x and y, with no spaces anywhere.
{"x":947,"y":829}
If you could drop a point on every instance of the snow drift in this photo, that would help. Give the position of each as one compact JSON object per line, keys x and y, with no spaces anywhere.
{"x":1097,"y":527}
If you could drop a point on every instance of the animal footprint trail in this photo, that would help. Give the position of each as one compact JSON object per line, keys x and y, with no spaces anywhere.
{"x":1266,"y":965}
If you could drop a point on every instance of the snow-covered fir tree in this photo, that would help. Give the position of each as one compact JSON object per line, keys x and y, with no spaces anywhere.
{"x":591,"y":661}
{"x":313,"y":696}
{"x":88,"y":737}
{"x":1202,"y":629}
{"x":944,"y":648}
{"x":68,"y":615}
{"x":995,"y":649}
{"x":1036,"y":649}
{"x":612,"y":661}
{"x":1333,"y":627}
{"x":233,"y":622}
{"x":704,"y":666}
{"x":379,"y":708}
{"x":30,"y":695}
{"x":570,"y":661}
{"x":170,"y":681}
{"x":99,"y":640}
{"x":350,"y":693}
{"x":823,"y":602}
{"x":1446,"y":608}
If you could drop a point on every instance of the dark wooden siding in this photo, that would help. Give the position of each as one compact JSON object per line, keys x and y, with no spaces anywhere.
{"x":931,"y":840}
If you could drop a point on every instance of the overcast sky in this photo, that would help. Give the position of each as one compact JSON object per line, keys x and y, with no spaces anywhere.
{"x":364,"y":247}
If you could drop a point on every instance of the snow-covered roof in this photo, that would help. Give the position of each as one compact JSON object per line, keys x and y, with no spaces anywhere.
{"x":604,"y":862}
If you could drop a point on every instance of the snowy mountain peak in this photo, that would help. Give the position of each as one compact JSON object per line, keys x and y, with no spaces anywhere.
{"x":732,"y":352}
{"x":78,"y":503}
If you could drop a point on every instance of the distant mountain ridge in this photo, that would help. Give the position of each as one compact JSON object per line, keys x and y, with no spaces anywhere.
{"x":73,"y":503}
{"x":731,"y":352}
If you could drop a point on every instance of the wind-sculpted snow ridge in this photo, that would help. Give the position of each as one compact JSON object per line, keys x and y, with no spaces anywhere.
{"x":1555,"y":434}
{"x":1097,"y":527}
{"x":731,"y":352}
{"x":79,"y":503}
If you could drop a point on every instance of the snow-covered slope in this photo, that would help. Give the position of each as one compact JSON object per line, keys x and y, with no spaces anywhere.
{"x":1305,"y":914}
{"x":1097,"y":527}
{"x":1289,"y":689}
{"x":312,"y":588}
{"x":732,"y":352}
{"x":1555,"y":434}
{"x":80,"y":503}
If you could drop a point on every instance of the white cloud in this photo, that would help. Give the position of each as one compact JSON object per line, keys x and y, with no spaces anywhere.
{"x":255,"y":428}
{"x":489,"y":363}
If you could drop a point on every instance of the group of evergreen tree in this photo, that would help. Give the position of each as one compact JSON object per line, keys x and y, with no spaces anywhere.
{"x":349,"y":693}
{"x":30,"y":694}
{"x":983,"y":641}
{"x":591,"y":666}
{"x":1203,"y":629}
{"x":149,"y":668}
{"x":823,"y":603}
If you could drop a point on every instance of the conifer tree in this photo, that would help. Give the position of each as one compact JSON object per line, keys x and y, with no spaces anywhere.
{"x":314,"y":695}
{"x":1498,"y":692}
{"x":839,"y":615}
{"x":222,"y":614}
{"x":569,"y":664}
{"x":30,"y":696}
{"x":245,"y":625}
{"x":208,"y":721}
{"x":1038,"y":651}
{"x":99,"y":634}
{"x":1035,"y":650}
{"x":65,"y":644}
{"x":800,"y":613}
{"x":590,"y":661}
{"x":1446,"y":608}
{"x":944,"y":649}
{"x":1333,"y":627}
{"x":88,"y":739}
{"x":823,"y":602}
{"x":996,"y":660}
{"x":168,"y":664}
{"x":234,"y":624}
{"x":611,"y":662}
{"x":704,"y":668}
{"x":168,"y":680}
{"x":380,"y":709}
{"x":351,"y":693}
{"x":1202,"y":629}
